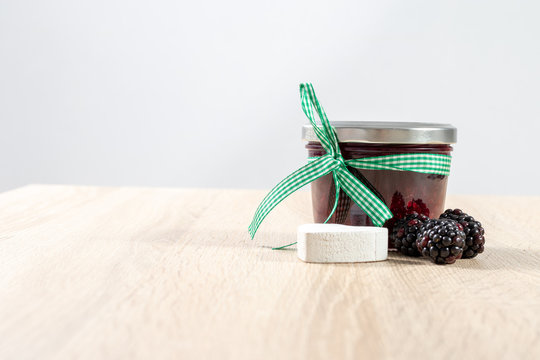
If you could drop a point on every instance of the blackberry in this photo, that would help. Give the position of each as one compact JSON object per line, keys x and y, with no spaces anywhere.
{"x":442,"y":240}
{"x":397,"y":207}
{"x":405,"y":232}
{"x":417,"y":205}
{"x":474,"y":232}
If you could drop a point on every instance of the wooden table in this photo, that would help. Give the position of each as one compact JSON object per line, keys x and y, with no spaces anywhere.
{"x":140,"y":273}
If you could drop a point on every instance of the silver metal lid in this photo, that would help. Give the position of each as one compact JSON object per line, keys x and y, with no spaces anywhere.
{"x":388,"y":132}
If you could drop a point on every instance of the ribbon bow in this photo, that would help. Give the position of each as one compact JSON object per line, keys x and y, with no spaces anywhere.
{"x":333,"y":162}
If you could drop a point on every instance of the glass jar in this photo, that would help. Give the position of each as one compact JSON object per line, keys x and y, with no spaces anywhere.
{"x":402,"y":191}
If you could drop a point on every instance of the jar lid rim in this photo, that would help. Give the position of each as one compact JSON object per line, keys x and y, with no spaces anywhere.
{"x":388,"y":132}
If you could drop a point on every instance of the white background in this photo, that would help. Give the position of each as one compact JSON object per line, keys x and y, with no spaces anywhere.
{"x":205,"y":93}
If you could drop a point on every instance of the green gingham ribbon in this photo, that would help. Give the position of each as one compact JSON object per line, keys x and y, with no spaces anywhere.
{"x":333,"y":162}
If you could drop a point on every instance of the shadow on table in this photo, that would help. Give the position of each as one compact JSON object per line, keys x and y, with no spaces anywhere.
{"x":493,"y":258}
{"x":262,"y":245}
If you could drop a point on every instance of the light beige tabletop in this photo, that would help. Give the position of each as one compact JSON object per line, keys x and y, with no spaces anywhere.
{"x":140,"y":273}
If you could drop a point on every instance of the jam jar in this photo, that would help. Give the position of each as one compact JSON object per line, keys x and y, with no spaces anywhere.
{"x":402,"y":191}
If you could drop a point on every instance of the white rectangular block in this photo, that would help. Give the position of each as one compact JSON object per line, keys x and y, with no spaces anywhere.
{"x":334,"y":243}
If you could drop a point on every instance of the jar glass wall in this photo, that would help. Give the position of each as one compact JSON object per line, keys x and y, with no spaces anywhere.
{"x":402,"y":191}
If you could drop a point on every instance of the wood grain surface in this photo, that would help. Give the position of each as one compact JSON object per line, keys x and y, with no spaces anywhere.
{"x":140,"y":273}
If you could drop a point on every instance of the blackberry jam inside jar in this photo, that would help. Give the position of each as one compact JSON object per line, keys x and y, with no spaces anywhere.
{"x":402,"y":191}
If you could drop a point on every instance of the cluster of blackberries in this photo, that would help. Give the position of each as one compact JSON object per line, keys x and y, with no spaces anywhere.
{"x":454,"y":235}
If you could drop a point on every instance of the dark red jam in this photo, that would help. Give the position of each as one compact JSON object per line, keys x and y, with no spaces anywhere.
{"x":402,"y":191}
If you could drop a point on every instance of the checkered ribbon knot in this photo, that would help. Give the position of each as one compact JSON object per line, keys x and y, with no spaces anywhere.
{"x":333,"y":162}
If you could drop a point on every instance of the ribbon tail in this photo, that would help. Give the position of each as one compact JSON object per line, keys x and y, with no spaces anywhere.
{"x":284,"y":246}
{"x":290,"y":184}
{"x":336,"y":201}
{"x":374,"y":207}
